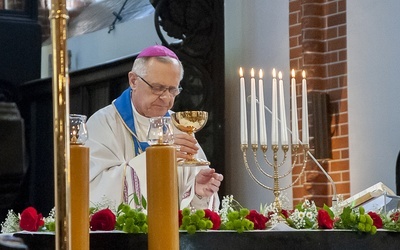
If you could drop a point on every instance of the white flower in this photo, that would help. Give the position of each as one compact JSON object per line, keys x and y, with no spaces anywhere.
{"x":11,"y":224}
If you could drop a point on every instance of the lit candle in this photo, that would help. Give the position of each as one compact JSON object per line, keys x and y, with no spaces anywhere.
{"x":295,"y":126}
{"x":263,"y":129}
{"x":305,"y":136}
{"x":253,"y":110}
{"x":274,"y":127}
{"x":284,"y":135}
{"x":243,"y":113}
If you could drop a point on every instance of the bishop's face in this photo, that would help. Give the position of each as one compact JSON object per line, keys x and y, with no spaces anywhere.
{"x":146,"y":90}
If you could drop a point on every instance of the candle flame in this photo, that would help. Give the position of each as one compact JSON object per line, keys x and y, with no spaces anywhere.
{"x":293,"y":73}
{"x":260,"y":74}
{"x":303,"y":74}
{"x":273,"y":73}
{"x":252,"y":72}
{"x":240,"y":72}
{"x":280,"y":75}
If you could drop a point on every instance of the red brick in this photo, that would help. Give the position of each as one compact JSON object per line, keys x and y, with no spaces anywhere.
{"x":293,"y":42}
{"x":342,"y":188}
{"x":338,"y":94}
{"x":342,"y":30}
{"x":294,"y":18}
{"x":346,"y":175}
{"x":315,"y":176}
{"x":313,"y":22}
{"x":307,"y":2}
{"x":337,"y":44}
{"x":336,"y":19}
{"x":314,"y":58}
{"x":331,"y":57}
{"x":342,"y":5}
{"x":295,"y":30}
{"x":294,"y":6}
{"x":331,"y":8}
{"x":336,"y":154}
{"x":343,"y":55}
{"x":313,"y":10}
{"x":332,"y":32}
{"x":296,"y":52}
{"x":314,"y":34}
{"x":339,"y":165}
{"x":331,"y":83}
{"x":316,"y":188}
{"x":344,"y":131}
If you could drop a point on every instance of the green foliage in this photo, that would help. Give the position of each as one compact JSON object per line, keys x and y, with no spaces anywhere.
{"x":191,"y":222}
{"x":391,"y":221}
{"x":356,"y":220}
{"x":131,"y":220}
{"x":237,"y":221}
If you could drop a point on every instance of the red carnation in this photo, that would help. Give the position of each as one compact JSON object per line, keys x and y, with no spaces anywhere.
{"x":31,"y":220}
{"x":324,"y":220}
{"x":103,"y":220}
{"x":395,"y":216}
{"x":258,"y":219}
{"x":377,"y":219}
{"x":214,"y":217}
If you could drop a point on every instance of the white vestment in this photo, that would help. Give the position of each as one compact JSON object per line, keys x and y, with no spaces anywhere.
{"x":113,"y":161}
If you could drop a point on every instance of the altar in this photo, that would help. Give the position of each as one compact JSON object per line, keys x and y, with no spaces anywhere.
{"x":258,"y":239}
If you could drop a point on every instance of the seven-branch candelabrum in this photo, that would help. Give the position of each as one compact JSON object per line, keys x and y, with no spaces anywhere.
{"x":278,"y":160}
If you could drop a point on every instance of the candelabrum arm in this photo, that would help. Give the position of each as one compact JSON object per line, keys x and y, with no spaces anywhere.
{"x":334,"y":194}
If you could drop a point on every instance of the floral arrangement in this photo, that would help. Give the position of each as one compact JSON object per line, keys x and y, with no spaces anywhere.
{"x":232,"y":216}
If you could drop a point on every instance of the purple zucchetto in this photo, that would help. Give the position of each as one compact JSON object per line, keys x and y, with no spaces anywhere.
{"x":157,"y":50}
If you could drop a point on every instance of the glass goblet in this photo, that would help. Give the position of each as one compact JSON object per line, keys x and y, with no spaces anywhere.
{"x":160,"y":131}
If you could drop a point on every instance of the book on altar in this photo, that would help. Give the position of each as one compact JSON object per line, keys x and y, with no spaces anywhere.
{"x":374,"y":198}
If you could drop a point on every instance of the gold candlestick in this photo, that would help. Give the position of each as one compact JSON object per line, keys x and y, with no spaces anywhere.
{"x":58,"y":22}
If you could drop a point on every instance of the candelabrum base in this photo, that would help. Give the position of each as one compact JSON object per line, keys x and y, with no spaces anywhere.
{"x":193,"y":162}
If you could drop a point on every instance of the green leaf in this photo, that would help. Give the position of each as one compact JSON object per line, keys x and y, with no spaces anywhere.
{"x":144,"y":202}
{"x":331,"y":214}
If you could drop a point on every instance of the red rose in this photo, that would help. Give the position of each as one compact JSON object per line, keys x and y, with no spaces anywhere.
{"x":258,"y":219}
{"x":285,"y":213}
{"x":214,"y":217}
{"x":31,"y":220}
{"x":180,"y":216}
{"x":377,"y":219}
{"x":103,"y":220}
{"x":324,"y":220}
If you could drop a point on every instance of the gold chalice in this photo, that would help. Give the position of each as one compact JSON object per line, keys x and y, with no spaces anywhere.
{"x":190,"y":122}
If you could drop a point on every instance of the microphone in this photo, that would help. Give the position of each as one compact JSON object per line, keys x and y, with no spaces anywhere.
{"x":333,"y":185}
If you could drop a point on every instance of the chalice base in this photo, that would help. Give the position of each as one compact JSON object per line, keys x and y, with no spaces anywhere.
{"x":192,"y":162}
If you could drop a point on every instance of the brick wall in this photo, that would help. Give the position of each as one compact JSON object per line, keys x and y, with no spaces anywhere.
{"x":317,"y":33}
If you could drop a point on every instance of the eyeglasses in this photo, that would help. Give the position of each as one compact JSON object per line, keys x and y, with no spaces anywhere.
{"x":160,"y":89}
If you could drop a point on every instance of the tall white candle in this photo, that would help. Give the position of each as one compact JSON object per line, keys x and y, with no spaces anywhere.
{"x":243,"y":112}
{"x":284,"y":135}
{"x":305,"y":135}
{"x":263,"y":129}
{"x":253,"y":109}
{"x":295,"y":126}
{"x":274,"y":127}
